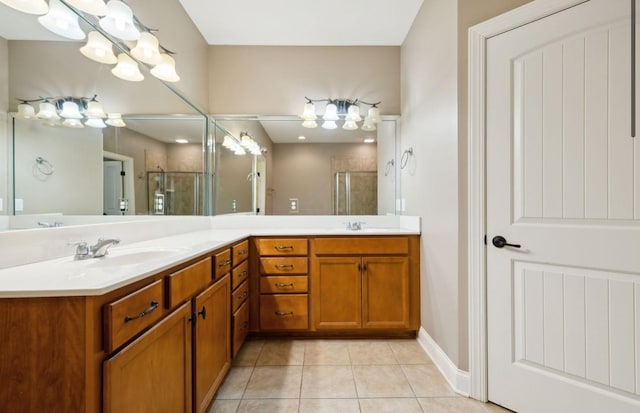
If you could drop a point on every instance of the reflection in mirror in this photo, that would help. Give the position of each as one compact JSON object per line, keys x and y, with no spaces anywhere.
{"x":329,"y":172}
{"x":154,"y":165}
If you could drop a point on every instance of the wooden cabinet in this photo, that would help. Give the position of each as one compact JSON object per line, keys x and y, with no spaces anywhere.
{"x":211,"y":341}
{"x":153,"y":373}
{"x":283,"y":283}
{"x":361,"y":283}
{"x":239,"y":295}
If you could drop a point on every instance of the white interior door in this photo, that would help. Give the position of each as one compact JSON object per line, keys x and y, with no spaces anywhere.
{"x":112,"y":187}
{"x":563,"y":181}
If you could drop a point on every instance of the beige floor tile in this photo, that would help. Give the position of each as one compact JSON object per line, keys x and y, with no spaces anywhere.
{"x":269,"y":406}
{"x":327,"y":353}
{"x":329,"y":406}
{"x":381,"y":381}
{"x":224,"y":406}
{"x":281,"y":353}
{"x":248,"y":354}
{"x":409,"y":352}
{"x":331,"y":382}
{"x":274,"y":382}
{"x":426,"y":381}
{"x":234,"y":384}
{"x":450,"y":405}
{"x":390,"y":405}
{"x":494,"y":408}
{"x":371,"y":352}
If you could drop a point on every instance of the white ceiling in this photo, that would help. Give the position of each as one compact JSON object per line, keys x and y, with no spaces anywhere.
{"x":303,"y":22}
{"x":168,"y":129}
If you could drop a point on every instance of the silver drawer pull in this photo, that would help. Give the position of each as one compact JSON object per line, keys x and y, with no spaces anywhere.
{"x":284,"y":314}
{"x":284,"y":247}
{"x":284,"y":266}
{"x":224,"y":263}
{"x":242,"y":252}
{"x":283,"y":285}
{"x":243,"y":295}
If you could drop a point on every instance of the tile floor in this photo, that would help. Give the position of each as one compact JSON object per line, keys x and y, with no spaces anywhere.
{"x":343,"y":376}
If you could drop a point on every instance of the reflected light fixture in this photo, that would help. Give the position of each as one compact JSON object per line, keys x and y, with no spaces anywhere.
{"x":99,"y":49}
{"x":127,"y":69}
{"x":28,"y":6}
{"x":147,"y":49}
{"x":74,"y":111}
{"x":118,"y":21}
{"x":95,"y":7}
{"x":166,"y":69}
{"x":62,"y":21}
{"x":337,"y":109}
{"x":182,"y":140}
{"x":248,"y":143}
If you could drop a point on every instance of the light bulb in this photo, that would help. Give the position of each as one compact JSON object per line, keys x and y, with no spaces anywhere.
{"x":329,"y":124}
{"x":99,"y":49}
{"x":28,"y":6}
{"x":119,"y":21}
{"x":127,"y":69}
{"x":62,"y":21}
{"x":166,"y":69}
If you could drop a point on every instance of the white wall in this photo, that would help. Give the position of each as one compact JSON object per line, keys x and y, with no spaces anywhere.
{"x":75,"y":186}
{"x":4,"y":107}
{"x":386,"y":152}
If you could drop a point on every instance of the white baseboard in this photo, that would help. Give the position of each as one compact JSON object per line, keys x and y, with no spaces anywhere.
{"x":457,"y":379}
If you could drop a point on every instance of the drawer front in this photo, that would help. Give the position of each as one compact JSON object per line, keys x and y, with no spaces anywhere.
{"x":240,"y":295}
{"x":183,"y":284}
{"x":284,"y":312}
{"x":358,"y":245}
{"x":131,"y":314}
{"x":240,"y":252}
{"x":274,"y":284}
{"x":222,"y":262}
{"x":239,"y":274}
{"x":240,"y":326}
{"x":282,"y":265}
{"x":282,"y":246}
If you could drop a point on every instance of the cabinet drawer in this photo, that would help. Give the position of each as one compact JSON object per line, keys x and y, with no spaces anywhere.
{"x":240,"y":326}
{"x":239,"y":295}
{"x":222,"y":262}
{"x":284,"y":312}
{"x":281,"y":246}
{"x":183,"y":284}
{"x":240,"y":252}
{"x":288,"y":265}
{"x":361,"y":246}
{"x":239,"y":274}
{"x":131,"y":314}
{"x":284,"y":284}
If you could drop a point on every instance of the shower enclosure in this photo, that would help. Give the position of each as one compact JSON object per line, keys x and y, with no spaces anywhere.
{"x":175,"y":193}
{"x":355,"y":193}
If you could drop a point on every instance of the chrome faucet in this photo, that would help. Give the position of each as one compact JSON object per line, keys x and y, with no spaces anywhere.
{"x":45,"y":224}
{"x":99,"y":250}
{"x":355,"y":225}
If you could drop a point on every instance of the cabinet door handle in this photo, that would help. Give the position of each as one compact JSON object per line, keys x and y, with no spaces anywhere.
{"x":362,"y":267}
{"x":224,"y":263}
{"x":284,"y":266}
{"x":203,"y":312}
{"x":243,"y":295}
{"x":244,"y":274}
{"x":283,"y":313}
{"x":243,"y":252}
{"x":148,"y":310}
{"x":283,"y":285}
{"x":284,"y":247}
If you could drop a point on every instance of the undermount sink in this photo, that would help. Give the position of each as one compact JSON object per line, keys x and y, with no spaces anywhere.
{"x":127,"y":256}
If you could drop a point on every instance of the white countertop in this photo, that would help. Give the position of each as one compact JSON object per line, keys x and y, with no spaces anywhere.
{"x":130,"y":262}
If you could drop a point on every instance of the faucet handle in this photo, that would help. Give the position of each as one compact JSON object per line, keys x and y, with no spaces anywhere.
{"x":81,"y":247}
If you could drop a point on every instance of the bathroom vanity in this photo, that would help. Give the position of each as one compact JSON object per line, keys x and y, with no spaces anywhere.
{"x":158,"y":330}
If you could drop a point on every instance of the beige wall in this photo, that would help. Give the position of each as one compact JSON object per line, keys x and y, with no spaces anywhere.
{"x":304,"y":171}
{"x":434,"y":121}
{"x":4,"y":107}
{"x":274,"y":80}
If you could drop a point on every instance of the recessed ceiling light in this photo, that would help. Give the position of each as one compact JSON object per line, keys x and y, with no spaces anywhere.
{"x":369,"y":140}
{"x":302,"y":137}
{"x":181,"y":140}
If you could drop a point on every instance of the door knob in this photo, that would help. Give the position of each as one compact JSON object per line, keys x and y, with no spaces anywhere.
{"x":500,"y":242}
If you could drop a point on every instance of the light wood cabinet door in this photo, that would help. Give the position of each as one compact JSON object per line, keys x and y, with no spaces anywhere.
{"x":385,"y":292}
{"x":336,"y":292}
{"x":153,"y":373}
{"x":212,"y":341}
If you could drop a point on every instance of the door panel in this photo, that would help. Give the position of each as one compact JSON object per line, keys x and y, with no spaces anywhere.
{"x":562,"y":309}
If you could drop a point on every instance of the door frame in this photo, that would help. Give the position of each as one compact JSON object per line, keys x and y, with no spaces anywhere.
{"x":128,"y":182}
{"x":476,"y":146}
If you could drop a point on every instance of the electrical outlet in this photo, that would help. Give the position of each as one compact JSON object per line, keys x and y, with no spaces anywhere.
{"x":293,"y":205}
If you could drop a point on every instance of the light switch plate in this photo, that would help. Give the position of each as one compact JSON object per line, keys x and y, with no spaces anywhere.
{"x":1,"y":205}
{"x":19,"y":204}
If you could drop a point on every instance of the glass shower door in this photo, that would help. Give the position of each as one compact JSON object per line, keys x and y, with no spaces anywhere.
{"x":356,"y":193}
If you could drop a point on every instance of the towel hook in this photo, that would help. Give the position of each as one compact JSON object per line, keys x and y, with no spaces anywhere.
{"x":388,"y":167}
{"x":44,"y":166}
{"x":405,"y":157}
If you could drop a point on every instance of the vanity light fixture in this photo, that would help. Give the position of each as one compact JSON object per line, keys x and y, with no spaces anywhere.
{"x":28,"y":6}
{"x":95,"y":7}
{"x":337,"y":109}
{"x":118,"y":21}
{"x":248,"y":143}
{"x":74,"y":111}
{"x":147,"y":49}
{"x":99,"y":49}
{"x":166,"y":69}
{"x":62,"y":21}
{"x":127,"y":69}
